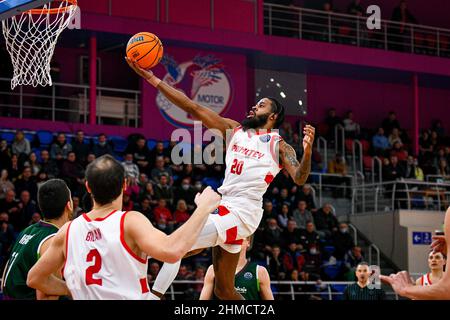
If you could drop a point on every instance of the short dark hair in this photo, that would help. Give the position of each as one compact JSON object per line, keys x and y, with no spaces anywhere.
{"x":363,"y":263}
{"x":53,"y":196}
{"x":278,"y":109}
{"x":105,"y":177}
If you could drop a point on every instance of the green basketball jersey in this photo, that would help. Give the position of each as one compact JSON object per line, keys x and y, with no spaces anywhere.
{"x":24,"y":254}
{"x":246,"y":282}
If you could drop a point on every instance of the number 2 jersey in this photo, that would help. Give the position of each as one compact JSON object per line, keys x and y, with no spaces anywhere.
{"x":252,"y":162}
{"x":99,"y":264}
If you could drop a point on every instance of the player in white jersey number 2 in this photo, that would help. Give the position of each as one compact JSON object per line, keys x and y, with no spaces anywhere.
{"x":104,"y":253}
{"x":255,"y":155}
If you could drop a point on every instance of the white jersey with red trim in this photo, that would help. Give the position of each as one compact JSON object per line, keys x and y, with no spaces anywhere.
{"x":99,"y":264}
{"x":251,"y":165}
{"x":425,"y":280}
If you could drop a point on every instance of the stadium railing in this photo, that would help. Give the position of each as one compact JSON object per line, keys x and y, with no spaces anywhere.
{"x":70,"y":103}
{"x":352,"y":30}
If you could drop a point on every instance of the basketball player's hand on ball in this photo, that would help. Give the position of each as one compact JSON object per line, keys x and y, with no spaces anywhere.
{"x":146,"y":74}
{"x":399,"y":282}
{"x":439,"y":244}
{"x":208,"y":200}
{"x":308,"y":139}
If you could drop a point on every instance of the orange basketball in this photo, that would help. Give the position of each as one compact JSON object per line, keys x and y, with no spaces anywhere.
{"x":146,"y":49}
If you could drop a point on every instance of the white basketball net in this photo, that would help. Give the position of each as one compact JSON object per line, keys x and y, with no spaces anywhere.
{"x":31,"y":39}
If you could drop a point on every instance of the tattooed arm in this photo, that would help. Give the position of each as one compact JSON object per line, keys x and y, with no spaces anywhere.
{"x":298,"y":171}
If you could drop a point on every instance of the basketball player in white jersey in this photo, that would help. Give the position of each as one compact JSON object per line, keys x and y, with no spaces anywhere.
{"x":436,"y":263}
{"x":103,"y":254}
{"x":255,"y":155}
{"x":403,"y":284}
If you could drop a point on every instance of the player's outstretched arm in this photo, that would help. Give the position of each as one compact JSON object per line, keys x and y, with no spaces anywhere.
{"x":209,"y":118}
{"x":170,"y":248}
{"x":264,"y":284}
{"x":208,"y":285}
{"x":299,"y":171}
{"x":41,"y":276}
{"x":403,"y":285}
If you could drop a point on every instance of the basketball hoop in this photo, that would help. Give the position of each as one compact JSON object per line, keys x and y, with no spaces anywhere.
{"x":31,"y":38}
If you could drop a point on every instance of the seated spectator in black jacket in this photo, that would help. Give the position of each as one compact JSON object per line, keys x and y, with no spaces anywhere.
{"x":26,"y":182}
{"x":284,"y":215}
{"x":186,"y":192}
{"x":390,"y":123}
{"x":325,"y":221}
{"x":163,"y":190}
{"x":394,"y":170}
{"x":313,"y":260}
{"x":141,"y":154}
{"x":145,"y":208}
{"x":9,"y":204}
{"x":159,"y":151}
{"x":342,"y":241}
{"x":332,"y":120}
{"x":276,"y":266}
{"x":6,"y":235}
{"x":60,"y":148}
{"x":291,"y":234}
{"x":73,"y":173}
{"x":102,"y":147}
{"x":306,"y":194}
{"x":48,"y":165}
{"x":352,"y":258}
{"x":282,"y":180}
{"x":309,"y":237}
{"x":27,"y":208}
{"x":159,"y":169}
{"x":271,"y":235}
{"x":268,"y":213}
{"x":81,"y":148}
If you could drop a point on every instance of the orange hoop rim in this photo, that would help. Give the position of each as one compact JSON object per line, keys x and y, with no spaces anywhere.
{"x":54,"y":10}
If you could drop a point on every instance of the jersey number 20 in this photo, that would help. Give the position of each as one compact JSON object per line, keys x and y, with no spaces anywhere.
{"x":236,"y":167}
{"x":95,"y":268}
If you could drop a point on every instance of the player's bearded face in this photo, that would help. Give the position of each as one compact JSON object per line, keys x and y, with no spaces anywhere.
{"x":254,"y":121}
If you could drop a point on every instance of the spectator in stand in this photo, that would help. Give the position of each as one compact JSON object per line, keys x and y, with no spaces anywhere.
{"x":425,"y":147}
{"x":439,"y":156}
{"x":81,"y":148}
{"x":268,"y":213}
{"x":332,"y":120}
{"x":352,"y":258}
{"x":390,"y":123}
{"x":342,"y":241}
{"x":393,"y":170}
{"x":145,"y":208}
{"x":186,"y":192}
{"x":5,"y":155}
{"x":35,"y":218}
{"x":163,"y":190}
{"x":355,"y":8}
{"x":313,"y":260}
{"x":434,"y":140}
{"x":27,"y":207}
{"x":325,"y":221}
{"x":276,"y":266}
{"x":283,"y":216}
{"x":163,"y":217}
{"x":293,"y":259}
{"x":21,"y":146}
{"x":9,"y":204}
{"x":199,"y":275}
{"x":15,"y":169}
{"x":292,"y":234}
{"x":271,"y":235}
{"x":160,"y":169}
{"x":437,"y":126}
{"x":188,"y":172}
{"x":306,"y":194}
{"x":286,"y":132}
{"x":33,"y":163}
{"x":48,"y":165}
{"x":338,"y":166}
{"x":443,"y":169}
{"x":131,"y":169}
{"x":72,"y":172}
{"x":60,"y":148}
{"x":5,"y":184}
{"x":77,"y":210}
{"x":297,"y":145}
{"x":403,"y":15}
{"x":102,"y":147}
{"x":282,"y":180}
{"x":301,"y":215}
{"x":394,"y":137}
{"x":309,"y":237}
{"x":360,"y":290}
{"x":352,"y":129}
{"x":148,"y":192}
{"x":181,"y":214}
{"x":184,"y":274}
{"x":284,"y":198}
{"x":141,"y":154}
{"x":380,"y":143}
{"x":26,"y":182}
{"x":41,"y":178}
{"x":399,"y":152}
{"x":157,"y":152}
{"x":91,"y":157}
{"x":7,"y":236}
{"x":127,"y":203}
{"x":153,"y":270}
{"x":410,"y":168}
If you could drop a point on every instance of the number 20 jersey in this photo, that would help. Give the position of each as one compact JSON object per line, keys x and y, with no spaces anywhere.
{"x":252,"y":162}
{"x":99,"y":264}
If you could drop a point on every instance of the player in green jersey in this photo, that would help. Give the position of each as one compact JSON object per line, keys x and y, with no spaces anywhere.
{"x":56,"y":206}
{"x":252,"y":281}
